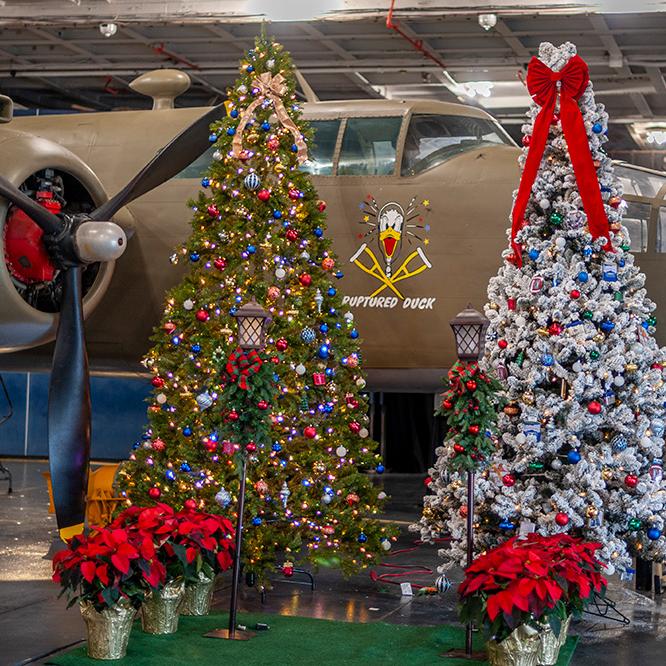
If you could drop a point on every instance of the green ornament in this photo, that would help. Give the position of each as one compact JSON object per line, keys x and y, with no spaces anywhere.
{"x":536,"y":466}
{"x":652,"y":321}
{"x":556,"y":218}
{"x":634,"y":524}
{"x":588,"y":315}
{"x":304,"y":404}
{"x":625,"y":246}
{"x":594,"y":354}
{"x":520,"y":358}
{"x":618,"y":296}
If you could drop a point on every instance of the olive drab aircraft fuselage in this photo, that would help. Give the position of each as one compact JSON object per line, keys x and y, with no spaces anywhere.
{"x":418,"y":199}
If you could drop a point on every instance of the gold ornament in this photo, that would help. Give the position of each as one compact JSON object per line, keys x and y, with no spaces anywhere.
{"x":606,"y":474}
{"x":591,"y":512}
{"x":319,"y":467}
{"x":631,"y":367}
{"x":599,"y":337}
{"x":528,"y":398}
{"x":252,"y":138}
{"x":493,"y":306}
{"x":543,"y":331}
{"x":512,"y":409}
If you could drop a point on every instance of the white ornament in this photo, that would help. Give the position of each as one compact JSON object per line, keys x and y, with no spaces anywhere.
{"x":188,"y":304}
{"x":363,"y":433}
{"x":161,"y":398}
{"x":300,"y":369}
{"x":341,"y":452}
{"x":326,"y":499}
{"x":382,"y":495}
{"x":360,"y":382}
{"x":349,"y":316}
{"x":280,"y":273}
{"x":386,"y":544}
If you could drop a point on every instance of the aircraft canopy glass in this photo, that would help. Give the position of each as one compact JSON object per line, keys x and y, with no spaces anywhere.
{"x":369,"y":146}
{"x":433,"y":139}
{"x":322,"y":150}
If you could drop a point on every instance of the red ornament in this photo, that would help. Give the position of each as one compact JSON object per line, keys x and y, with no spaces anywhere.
{"x":427,"y":481}
{"x":294,"y":194}
{"x":232,"y":415}
{"x":555,"y":119}
{"x":459,"y":448}
{"x":305,"y":279}
{"x":462,"y":511}
{"x":154,"y":493}
{"x":190,"y":504}
{"x":574,"y":293}
{"x":273,"y":143}
{"x":562,"y":519}
{"x":209,"y":445}
{"x":291,"y":234}
{"x":511,"y":303}
{"x":318,"y":378}
{"x":447,"y":404}
{"x":157,"y":382}
{"x":169,"y":327}
{"x":352,"y":499}
{"x":594,"y":407}
{"x":614,"y":202}
{"x":509,"y":480}
{"x":321,"y":205}
{"x":355,"y":427}
{"x":213,"y":210}
{"x":202,"y":315}
{"x":158,"y":445}
{"x":473,"y":429}
{"x":310,"y":432}
{"x":281,"y":344}
{"x":527,"y":139}
{"x":263,"y":195}
{"x":220,"y":263}
{"x":262,"y":404}
{"x":555,"y":328}
{"x":502,"y":343}
{"x":250,"y":447}
{"x":328,"y":264}
{"x":471,"y":385}
{"x":631,"y":480}
{"x":288,"y":569}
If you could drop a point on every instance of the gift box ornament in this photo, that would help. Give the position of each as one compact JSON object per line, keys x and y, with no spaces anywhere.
{"x":319,"y":378}
{"x":656,"y":470}
{"x":532,"y":429}
{"x":537,"y":284}
{"x":609,"y":272}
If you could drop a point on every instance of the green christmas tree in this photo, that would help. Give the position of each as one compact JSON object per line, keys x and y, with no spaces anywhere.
{"x":258,"y":232}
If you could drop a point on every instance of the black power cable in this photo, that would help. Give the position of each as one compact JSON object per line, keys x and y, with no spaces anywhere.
{"x":5,"y":474}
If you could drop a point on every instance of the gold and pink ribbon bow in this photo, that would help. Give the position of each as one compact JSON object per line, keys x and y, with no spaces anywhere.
{"x":272,"y":88}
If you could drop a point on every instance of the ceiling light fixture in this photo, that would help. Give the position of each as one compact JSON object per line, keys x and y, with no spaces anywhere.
{"x":487,"y":21}
{"x":656,"y":136}
{"x":108,"y":29}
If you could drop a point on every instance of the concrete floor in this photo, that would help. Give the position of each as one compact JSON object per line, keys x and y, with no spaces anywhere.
{"x":34,"y":623}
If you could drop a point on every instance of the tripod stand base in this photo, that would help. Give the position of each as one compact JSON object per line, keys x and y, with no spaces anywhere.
{"x":462,"y":654}
{"x":240,"y":634}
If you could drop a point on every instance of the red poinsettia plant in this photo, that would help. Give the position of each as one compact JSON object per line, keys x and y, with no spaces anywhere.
{"x":107,"y":565}
{"x":530,"y":580}
{"x":190,"y":541}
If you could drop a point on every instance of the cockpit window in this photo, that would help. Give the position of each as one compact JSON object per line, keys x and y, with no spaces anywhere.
{"x":321,"y":151}
{"x":640,"y":183}
{"x":369,"y":147}
{"x":433,"y":139}
{"x":636,"y":219}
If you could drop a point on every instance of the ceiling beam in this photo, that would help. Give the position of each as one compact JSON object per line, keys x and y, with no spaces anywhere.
{"x":502,"y":29}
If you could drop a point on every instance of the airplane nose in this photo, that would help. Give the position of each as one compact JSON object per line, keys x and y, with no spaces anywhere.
{"x":100,"y":241}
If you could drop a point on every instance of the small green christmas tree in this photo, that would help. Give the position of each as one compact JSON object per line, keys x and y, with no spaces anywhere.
{"x":258,"y":232}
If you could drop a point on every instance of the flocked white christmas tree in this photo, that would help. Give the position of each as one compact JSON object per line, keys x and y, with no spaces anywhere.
{"x":581,"y":439}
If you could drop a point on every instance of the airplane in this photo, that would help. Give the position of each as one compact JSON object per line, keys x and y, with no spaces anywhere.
{"x":418,"y":195}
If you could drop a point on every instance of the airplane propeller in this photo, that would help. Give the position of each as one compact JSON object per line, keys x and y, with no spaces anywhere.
{"x":73,"y":241}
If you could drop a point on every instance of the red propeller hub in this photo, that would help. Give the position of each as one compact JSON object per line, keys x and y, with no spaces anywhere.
{"x":25,"y":254}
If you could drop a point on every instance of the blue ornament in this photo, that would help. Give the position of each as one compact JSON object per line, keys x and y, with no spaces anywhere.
{"x":380,"y":469}
{"x":533,"y":254}
{"x":362,"y":538}
{"x":597,"y":128}
{"x":250,"y":68}
{"x":607,"y":326}
{"x":294,"y":148}
{"x":185,"y":467}
{"x":573,"y":456}
{"x":506,"y":524}
{"x":196,"y":348}
{"x":323,"y":351}
{"x":605,"y":188}
{"x":194,"y":256}
{"x":621,"y":263}
{"x":324,"y":328}
{"x":252,"y":181}
{"x":205,"y":181}
{"x":353,"y":334}
{"x":212,"y":137}
{"x":231,"y":131}
{"x":276,"y":447}
{"x":645,"y":325}
{"x":234,"y":113}
{"x":265,"y":126}
{"x":339,"y":274}
{"x":547,"y":360}
{"x":257,"y":520}
{"x":332,"y":291}
{"x":308,"y":335}
{"x":251,"y":249}
{"x":170,"y":475}
{"x":328,"y":408}
{"x":583,"y":276}
{"x":653,"y":533}
{"x":318,"y":232}
{"x":187,"y":431}
{"x":443,"y":584}
{"x":619,"y":443}
{"x":587,"y":251}
{"x":175,"y":340}
{"x":277,"y":214}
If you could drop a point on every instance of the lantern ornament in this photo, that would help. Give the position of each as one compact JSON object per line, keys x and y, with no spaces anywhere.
{"x":469,"y":329}
{"x":253,"y":321}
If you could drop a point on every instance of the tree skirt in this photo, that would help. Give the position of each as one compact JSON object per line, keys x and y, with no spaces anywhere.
{"x":292,"y":641}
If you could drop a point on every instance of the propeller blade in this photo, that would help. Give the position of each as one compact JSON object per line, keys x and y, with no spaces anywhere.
{"x":172,"y":159}
{"x":49,"y":223}
{"x":69,"y":411}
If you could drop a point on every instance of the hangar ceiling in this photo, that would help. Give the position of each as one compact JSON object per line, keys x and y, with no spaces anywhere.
{"x":53,"y":55}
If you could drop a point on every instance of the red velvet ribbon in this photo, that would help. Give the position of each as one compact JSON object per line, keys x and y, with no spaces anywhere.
{"x":542,"y":84}
{"x":241,"y":364}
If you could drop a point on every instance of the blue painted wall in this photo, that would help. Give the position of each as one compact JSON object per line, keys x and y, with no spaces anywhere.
{"x":119,"y":415}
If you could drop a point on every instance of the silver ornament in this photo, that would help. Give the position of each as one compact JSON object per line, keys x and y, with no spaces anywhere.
{"x":223,"y":498}
{"x":443,"y":584}
{"x":284,"y":494}
{"x":204,"y":400}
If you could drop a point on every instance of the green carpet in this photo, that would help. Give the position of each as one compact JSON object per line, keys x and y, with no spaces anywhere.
{"x":294,"y":641}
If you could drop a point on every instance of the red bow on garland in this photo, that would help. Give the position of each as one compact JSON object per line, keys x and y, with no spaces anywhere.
{"x":544,"y":85}
{"x":241,"y":365}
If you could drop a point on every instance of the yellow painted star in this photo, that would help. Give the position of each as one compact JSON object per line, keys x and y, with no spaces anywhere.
{"x":426,"y":241}
{"x":426,"y":202}
{"x":366,"y":218}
